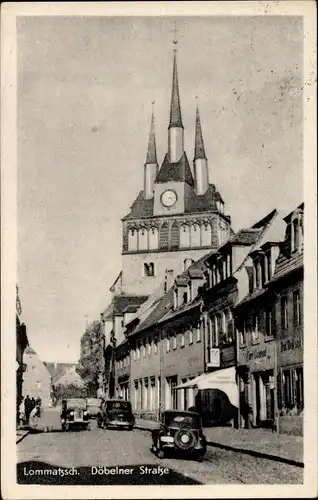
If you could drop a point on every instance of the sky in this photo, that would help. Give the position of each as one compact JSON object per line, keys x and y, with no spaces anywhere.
{"x":85,"y":87}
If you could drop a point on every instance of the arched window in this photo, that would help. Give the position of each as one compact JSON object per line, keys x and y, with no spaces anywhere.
{"x":206,"y":233}
{"x":174,"y":236}
{"x":164,"y":236}
{"x":195,"y":238}
{"x":184,"y":236}
{"x":132,"y":239}
{"x":142,"y":239}
{"x":153,"y":238}
{"x":149,"y":269}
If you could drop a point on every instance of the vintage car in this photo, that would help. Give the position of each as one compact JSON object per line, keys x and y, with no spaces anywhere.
{"x":116,"y":413}
{"x":74,"y":414}
{"x":93,"y":406}
{"x":179,"y":431}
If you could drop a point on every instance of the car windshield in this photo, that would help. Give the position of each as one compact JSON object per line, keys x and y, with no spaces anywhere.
{"x":182,"y":420}
{"x":93,"y":402}
{"x":76,"y":403}
{"x":118,"y":405}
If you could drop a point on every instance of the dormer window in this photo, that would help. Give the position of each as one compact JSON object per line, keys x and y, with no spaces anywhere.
{"x":296,"y":231}
{"x":268,"y":263}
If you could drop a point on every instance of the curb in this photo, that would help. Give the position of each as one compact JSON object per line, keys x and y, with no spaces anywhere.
{"x":253,"y":453}
{"x":22,"y":437}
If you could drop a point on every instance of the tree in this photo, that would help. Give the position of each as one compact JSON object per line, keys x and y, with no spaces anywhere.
{"x":91,"y":361}
{"x":68,"y":391}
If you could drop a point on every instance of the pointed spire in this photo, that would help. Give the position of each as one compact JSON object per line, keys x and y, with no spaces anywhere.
{"x":199,"y":151}
{"x":175,"y":110}
{"x":152,"y":151}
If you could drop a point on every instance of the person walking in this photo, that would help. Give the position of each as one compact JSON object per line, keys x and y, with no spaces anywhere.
{"x":27,"y":408}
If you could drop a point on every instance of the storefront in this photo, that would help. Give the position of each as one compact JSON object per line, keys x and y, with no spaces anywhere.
{"x":256,"y":378}
{"x":291,"y":379}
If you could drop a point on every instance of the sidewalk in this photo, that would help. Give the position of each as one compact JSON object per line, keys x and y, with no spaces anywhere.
{"x":257,"y":442}
{"x":20,"y":434}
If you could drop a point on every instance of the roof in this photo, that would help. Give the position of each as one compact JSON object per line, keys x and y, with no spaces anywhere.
{"x":287,"y":264}
{"x":131,"y":309}
{"x":152,"y":152}
{"x":245,"y":237}
{"x":57,"y":370}
{"x":140,"y":207}
{"x":157,"y":312}
{"x":120,"y":302}
{"x":30,"y":350}
{"x":175,"y":109}
{"x":202,"y":203}
{"x":177,"y":172}
{"x":275,"y":232}
{"x":199,"y":152}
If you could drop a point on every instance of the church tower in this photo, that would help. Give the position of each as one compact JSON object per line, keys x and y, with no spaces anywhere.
{"x":178,"y":216}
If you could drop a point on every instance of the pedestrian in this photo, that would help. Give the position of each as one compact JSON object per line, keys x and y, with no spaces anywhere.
{"x":34,"y":415}
{"x":21,"y":410}
{"x":33,"y":403}
{"x":27,"y":408}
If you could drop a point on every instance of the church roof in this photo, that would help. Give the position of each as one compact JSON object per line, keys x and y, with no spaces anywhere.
{"x":142,"y":208}
{"x":175,"y":109}
{"x":199,"y":152}
{"x":177,"y":172}
{"x":152,"y":152}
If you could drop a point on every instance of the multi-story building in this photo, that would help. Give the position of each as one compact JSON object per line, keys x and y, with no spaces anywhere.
{"x":37,"y":378}
{"x":175,"y":220}
{"x":270,"y":327}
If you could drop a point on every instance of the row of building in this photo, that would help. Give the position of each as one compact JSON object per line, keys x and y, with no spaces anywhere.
{"x":203,"y":316}
{"x":238,"y":309}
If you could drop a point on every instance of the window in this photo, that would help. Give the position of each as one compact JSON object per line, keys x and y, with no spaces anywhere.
{"x":257,"y":270}
{"x":174,"y":342}
{"x":167,"y":344}
{"x":255,"y":326}
{"x":175,"y":299}
{"x":134,"y":353}
{"x":149,"y":269}
{"x":138,"y":352}
{"x":269,"y":264}
{"x":262,"y":271}
{"x":182,"y":339}
{"x":230,"y":326}
{"x":214,"y":331}
{"x":269,"y":321}
{"x":164,"y":236}
{"x":185,"y":395}
{"x":284,"y":313}
{"x":296,"y":307}
{"x":38,"y":385}
{"x":242,"y":332}
{"x":185,"y":297}
{"x":295,"y":235}
{"x":149,"y":347}
{"x":143,"y":350}
{"x":155,"y":347}
{"x":190,"y":336}
{"x":199,"y":328}
{"x":299,"y":388}
{"x":174,"y":234}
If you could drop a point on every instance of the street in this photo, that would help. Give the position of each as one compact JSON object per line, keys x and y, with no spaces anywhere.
{"x":87,"y":451}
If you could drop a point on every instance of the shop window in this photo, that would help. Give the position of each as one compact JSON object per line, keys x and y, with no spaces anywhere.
{"x":297,"y":307}
{"x":299,"y":388}
{"x":288,"y":388}
{"x":284,"y":312}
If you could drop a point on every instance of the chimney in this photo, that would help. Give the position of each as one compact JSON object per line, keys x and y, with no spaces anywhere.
{"x":169,"y":279}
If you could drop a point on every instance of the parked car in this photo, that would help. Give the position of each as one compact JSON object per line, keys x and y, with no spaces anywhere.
{"x":179,"y":431}
{"x":93,"y":406}
{"x":116,"y":413}
{"x":74,"y":414}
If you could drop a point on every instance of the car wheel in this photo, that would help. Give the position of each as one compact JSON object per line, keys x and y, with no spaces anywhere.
{"x":63,"y":427}
{"x":67,"y":426}
{"x":88,"y":427}
{"x":130,"y":428}
{"x":161,"y":454}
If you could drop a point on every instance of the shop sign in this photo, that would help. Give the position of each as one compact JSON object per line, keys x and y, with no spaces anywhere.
{"x":261,"y":357}
{"x":214,"y":358}
{"x":291,"y":344}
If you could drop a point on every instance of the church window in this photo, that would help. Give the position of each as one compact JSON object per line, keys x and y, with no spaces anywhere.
{"x":206,"y":235}
{"x":132,"y":239}
{"x":184,"y":236}
{"x":195,"y":238}
{"x":164,"y":236}
{"x":153,"y":238}
{"x":174,"y":236}
{"x":149,"y":269}
{"x":143,"y":239}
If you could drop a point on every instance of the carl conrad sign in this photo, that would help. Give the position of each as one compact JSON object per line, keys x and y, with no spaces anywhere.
{"x":258,"y":357}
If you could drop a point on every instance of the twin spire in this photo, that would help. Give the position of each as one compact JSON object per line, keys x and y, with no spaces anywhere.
{"x":175,"y":141}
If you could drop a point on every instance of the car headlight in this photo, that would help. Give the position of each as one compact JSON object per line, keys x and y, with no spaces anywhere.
{"x":71,"y":413}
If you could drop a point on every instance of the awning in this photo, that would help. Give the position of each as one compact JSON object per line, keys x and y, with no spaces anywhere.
{"x":223,"y":380}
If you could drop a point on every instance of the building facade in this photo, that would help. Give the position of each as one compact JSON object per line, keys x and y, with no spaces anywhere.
{"x":270,"y":327}
{"x":37,"y":378}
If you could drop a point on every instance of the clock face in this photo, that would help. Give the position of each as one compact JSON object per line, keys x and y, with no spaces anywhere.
{"x":168,"y":198}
